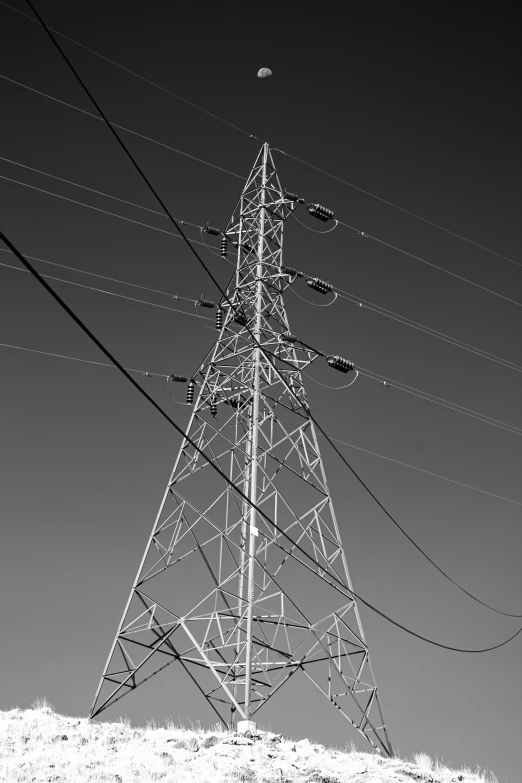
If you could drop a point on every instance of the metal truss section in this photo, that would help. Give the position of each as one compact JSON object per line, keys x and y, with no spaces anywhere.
{"x":216,"y":591}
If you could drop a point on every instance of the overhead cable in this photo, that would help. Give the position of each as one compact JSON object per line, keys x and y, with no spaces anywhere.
{"x":428,"y":263}
{"x":96,"y":209}
{"x":223,"y":294}
{"x":342,"y":442}
{"x":93,"y":190}
{"x":439,"y":401}
{"x":145,"y":373}
{"x":340,"y":292}
{"x":253,"y":136}
{"x":121,"y":127}
{"x":428,"y":472}
{"x":402,"y":530}
{"x":368,"y":373}
{"x":402,"y":319}
{"x":111,"y":293}
{"x":401,"y":209}
{"x":232,"y":173}
{"x":333,"y":581}
{"x":104,"y":277}
{"x":133,"y":73}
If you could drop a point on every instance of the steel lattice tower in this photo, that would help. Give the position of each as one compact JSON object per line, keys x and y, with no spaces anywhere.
{"x":246,"y":624}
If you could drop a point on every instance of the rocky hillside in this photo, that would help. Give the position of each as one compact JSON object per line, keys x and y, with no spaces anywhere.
{"x":40,"y":745}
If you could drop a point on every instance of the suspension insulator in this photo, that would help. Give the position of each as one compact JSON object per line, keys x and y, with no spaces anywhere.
{"x":205,"y":303}
{"x":319,"y":285}
{"x":213,"y":406}
{"x":208,"y":229}
{"x":288,"y":337}
{"x":190,"y":392}
{"x":219,"y":318}
{"x":246,"y":247}
{"x":290,"y":270}
{"x":338,"y":363}
{"x":240,"y":318}
{"x":178,"y":378}
{"x":293,"y":197}
{"x":224,"y":247}
{"x":320,"y":212}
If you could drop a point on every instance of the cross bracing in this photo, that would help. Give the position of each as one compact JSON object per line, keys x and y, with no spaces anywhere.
{"x":221,"y":591}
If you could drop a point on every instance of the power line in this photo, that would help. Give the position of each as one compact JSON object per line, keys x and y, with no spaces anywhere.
{"x":111,"y":293}
{"x":133,"y":73}
{"x":96,"y":209}
{"x":397,"y":384}
{"x":403,"y":531}
{"x":428,"y":472}
{"x":76,"y":359}
{"x":342,"y":442}
{"x":223,"y":293}
{"x":103,"y":277}
{"x":379,"y":310}
{"x":440,"y":401}
{"x":428,"y":263}
{"x":253,"y":136}
{"x":93,"y":190}
{"x":367,"y":373}
{"x":343,"y":294}
{"x":121,"y":127}
{"x":227,"y":171}
{"x":401,"y":209}
{"x":337,"y":584}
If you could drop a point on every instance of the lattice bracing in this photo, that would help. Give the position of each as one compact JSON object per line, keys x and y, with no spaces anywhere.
{"x":220,"y":590}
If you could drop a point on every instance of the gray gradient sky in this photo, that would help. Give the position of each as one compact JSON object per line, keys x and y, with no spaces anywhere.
{"x":421,"y":110}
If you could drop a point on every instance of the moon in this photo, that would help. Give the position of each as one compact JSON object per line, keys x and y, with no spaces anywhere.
{"x":264,"y":73}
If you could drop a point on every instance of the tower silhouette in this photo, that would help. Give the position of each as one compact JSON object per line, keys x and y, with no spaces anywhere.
{"x":220,"y":591}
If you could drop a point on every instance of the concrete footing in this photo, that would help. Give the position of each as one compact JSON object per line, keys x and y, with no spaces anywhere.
{"x":246,"y":725}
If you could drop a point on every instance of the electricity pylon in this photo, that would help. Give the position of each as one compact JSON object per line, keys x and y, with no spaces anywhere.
{"x":220,"y":590}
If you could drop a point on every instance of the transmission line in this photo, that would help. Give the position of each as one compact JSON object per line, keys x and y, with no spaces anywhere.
{"x":232,"y":173}
{"x":428,"y":263}
{"x":422,"y":470}
{"x":96,"y":209}
{"x":104,"y":277}
{"x":121,"y":127}
{"x":337,"y":583}
{"x":93,"y":190}
{"x":402,"y":319}
{"x":342,"y":442}
{"x":253,"y":136}
{"x":84,"y":361}
{"x":401,"y":209}
{"x":223,"y":293}
{"x":338,"y":291}
{"x":439,"y":401}
{"x":368,"y":373}
{"x":111,"y":293}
